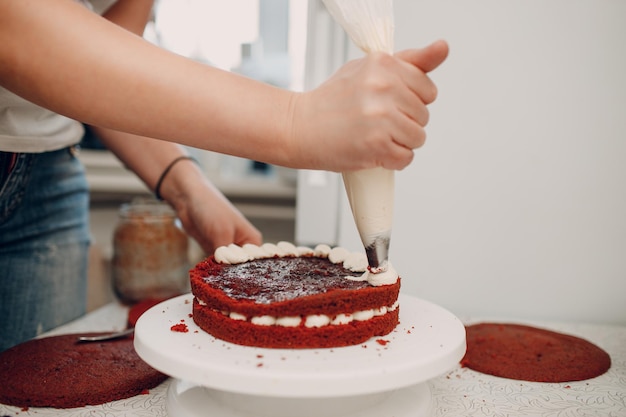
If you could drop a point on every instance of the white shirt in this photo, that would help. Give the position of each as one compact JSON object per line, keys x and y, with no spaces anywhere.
{"x":27,"y":127}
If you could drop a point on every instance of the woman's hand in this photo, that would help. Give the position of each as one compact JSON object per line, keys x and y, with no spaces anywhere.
{"x":371,"y":113}
{"x":209,"y":218}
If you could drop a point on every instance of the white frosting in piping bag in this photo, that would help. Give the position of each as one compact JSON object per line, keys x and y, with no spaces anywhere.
{"x":370,"y":25}
{"x":371,"y":194}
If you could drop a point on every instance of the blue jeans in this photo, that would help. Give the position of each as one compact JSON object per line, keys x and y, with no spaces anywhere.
{"x":44,"y":243}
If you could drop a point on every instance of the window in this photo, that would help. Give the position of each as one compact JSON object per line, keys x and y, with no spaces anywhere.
{"x":261,"y":39}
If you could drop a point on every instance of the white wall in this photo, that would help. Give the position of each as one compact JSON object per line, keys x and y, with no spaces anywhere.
{"x":516,"y":206}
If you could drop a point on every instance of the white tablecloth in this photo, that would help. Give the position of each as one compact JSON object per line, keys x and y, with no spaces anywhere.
{"x":460,"y":392}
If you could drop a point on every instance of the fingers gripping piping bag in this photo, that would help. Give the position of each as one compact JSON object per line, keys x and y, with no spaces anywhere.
{"x":370,"y":24}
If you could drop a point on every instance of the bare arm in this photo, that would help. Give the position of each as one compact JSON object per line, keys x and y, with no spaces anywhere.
{"x":63,"y":57}
{"x":58,"y":54}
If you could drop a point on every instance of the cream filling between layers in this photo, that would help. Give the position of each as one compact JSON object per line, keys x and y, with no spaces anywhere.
{"x":310,"y":321}
{"x":352,"y":261}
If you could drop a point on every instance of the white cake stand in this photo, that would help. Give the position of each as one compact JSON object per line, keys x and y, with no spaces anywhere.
{"x":385,"y":374}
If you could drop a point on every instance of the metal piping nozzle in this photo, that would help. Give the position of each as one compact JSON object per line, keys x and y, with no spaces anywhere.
{"x":378,"y":254}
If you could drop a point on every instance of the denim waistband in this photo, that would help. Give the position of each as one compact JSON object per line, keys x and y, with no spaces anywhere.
{"x":8,"y":161}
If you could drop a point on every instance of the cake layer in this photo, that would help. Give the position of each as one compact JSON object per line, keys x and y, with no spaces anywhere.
{"x":299,"y":337}
{"x":287,"y":286}
{"x":59,"y":372}
{"x":529,"y":353}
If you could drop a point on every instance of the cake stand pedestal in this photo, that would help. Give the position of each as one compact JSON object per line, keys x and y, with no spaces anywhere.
{"x":385,"y":375}
{"x":190,"y":400}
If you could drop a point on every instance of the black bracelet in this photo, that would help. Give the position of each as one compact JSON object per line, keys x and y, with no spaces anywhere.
{"x":157,"y":189}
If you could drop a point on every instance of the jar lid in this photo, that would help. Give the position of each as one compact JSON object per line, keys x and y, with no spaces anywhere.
{"x":147,"y":209}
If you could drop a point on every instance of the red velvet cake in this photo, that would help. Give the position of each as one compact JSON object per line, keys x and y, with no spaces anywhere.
{"x":280,"y":296}
{"x":529,"y":353}
{"x":60,"y":372}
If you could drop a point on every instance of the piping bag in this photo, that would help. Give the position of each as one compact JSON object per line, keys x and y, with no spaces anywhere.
{"x":370,"y":25}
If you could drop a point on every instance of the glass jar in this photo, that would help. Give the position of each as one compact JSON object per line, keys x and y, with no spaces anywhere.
{"x":150,"y":253}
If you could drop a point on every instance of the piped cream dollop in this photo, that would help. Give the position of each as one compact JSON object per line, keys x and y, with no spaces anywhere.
{"x":384,"y":276}
{"x":232,"y":254}
{"x":353,"y":261}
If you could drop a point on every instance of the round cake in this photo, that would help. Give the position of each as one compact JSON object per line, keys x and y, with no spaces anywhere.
{"x":282,"y":296}
{"x":60,"y":372}
{"x":531,"y":354}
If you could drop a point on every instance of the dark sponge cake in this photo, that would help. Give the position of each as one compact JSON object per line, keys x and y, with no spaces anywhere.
{"x":291,"y":300}
{"x":60,"y":372}
{"x":528,"y":353}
